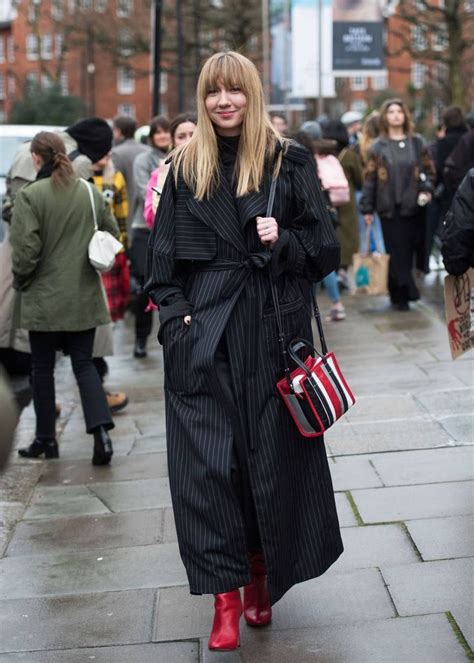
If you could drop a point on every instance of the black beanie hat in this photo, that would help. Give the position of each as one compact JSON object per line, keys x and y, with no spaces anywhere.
{"x":93,"y":136}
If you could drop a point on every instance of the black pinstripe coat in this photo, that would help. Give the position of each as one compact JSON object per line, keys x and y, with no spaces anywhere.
{"x":205,"y":258}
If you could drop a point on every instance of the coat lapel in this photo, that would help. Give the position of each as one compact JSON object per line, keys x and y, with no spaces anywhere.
{"x":252,"y":205}
{"x":220,"y":213}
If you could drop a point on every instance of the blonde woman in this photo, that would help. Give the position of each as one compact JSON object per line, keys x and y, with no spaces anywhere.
{"x":253,"y":501}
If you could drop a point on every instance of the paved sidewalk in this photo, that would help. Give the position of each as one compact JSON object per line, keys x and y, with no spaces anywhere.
{"x":90,"y":567}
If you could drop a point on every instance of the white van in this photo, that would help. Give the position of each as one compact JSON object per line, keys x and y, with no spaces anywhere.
{"x":11,"y":137}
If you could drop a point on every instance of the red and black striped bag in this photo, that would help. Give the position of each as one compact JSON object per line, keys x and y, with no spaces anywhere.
{"x":315,"y":392}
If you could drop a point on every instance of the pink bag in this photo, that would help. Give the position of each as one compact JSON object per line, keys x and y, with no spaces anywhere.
{"x":333,"y":179}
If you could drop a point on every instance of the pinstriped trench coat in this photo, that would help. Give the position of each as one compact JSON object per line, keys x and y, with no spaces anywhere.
{"x":205,"y":258}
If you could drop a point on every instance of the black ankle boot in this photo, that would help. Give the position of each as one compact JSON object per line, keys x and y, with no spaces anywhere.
{"x":38,"y":447}
{"x":103,"y":451}
{"x":140,"y":348}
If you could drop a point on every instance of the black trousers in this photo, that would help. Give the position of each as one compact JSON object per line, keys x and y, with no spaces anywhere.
{"x":138,"y":251}
{"x":239,"y":467}
{"x":43,"y":354}
{"x":402,"y":236}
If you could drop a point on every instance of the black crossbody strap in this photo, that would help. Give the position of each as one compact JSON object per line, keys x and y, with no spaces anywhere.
{"x":276,"y":305}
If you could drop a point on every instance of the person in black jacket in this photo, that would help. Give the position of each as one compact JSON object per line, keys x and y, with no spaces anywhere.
{"x":455,"y":127}
{"x":458,"y":231}
{"x":460,"y":161}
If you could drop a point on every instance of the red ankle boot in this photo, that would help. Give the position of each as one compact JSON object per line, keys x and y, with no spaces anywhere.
{"x":257,"y":608}
{"x":225,"y":634}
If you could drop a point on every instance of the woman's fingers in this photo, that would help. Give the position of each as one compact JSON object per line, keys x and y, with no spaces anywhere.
{"x":267,"y":230}
{"x":187,"y":320}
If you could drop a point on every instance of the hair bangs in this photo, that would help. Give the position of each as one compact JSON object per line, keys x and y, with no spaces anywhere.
{"x":223,"y":70}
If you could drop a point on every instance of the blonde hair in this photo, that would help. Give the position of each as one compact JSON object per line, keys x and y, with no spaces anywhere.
{"x":370,"y":131}
{"x":198,"y":160}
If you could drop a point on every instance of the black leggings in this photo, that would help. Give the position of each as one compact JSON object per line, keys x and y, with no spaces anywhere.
{"x":43,"y":354}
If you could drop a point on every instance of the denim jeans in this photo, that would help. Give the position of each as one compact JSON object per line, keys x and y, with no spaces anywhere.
{"x":332,"y":287}
{"x":376,"y":234}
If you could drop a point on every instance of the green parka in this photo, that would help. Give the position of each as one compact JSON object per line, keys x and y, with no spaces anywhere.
{"x":50,"y":233}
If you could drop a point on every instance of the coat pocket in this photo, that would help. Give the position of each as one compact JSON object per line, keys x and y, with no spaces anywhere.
{"x":296,"y":322}
{"x":177,"y":341}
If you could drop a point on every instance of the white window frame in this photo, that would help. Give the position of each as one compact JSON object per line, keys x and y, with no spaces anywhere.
{"x":10,"y":49}
{"x":419,"y":72}
{"x":58,"y":44}
{"x":127,"y":109}
{"x":380,"y":81}
{"x":57,"y":10}
{"x":64,"y":83}
{"x":125,"y":80}
{"x":124,"y":8}
{"x":32,"y":47}
{"x":101,"y":6}
{"x":46,"y":81}
{"x":11,"y":84}
{"x":359,"y":105}
{"x":47,"y":50}
{"x":358,"y":83}
{"x":419,"y":40}
{"x":2,"y":49}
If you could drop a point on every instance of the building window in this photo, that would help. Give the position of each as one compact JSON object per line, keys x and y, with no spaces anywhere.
{"x":31,"y":15}
{"x":3,"y":87}
{"x":418,"y":37}
{"x":418,"y":75}
{"x":125,"y":81}
{"x":85,"y":5}
{"x":125,"y":43}
{"x":10,"y":49}
{"x":11,"y":85}
{"x":100,"y":6}
{"x":124,"y":8}
{"x":2,"y":49}
{"x":31,"y":46}
{"x":439,"y":40}
{"x":126,"y":109}
{"x":57,"y":9}
{"x":359,"y":105}
{"x":58,"y":44}
{"x":47,"y":46}
{"x":358,"y":83}
{"x":64,"y":83}
{"x":46,"y":81}
{"x":420,"y":6}
{"x":31,"y":80}
{"x":71,"y":5}
{"x":380,"y":81}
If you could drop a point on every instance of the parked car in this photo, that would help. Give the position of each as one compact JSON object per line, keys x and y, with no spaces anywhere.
{"x":11,"y":137}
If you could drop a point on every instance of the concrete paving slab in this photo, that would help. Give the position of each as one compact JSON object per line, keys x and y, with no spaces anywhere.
{"x":10,"y":514}
{"x":334,"y":597}
{"x":388,"y":435}
{"x":443,"y":538}
{"x":163,"y":652}
{"x":375,"y":408}
{"x":133,"y":495}
{"x":60,"y":501}
{"x":412,"y":502}
{"x":460,"y":427}
{"x":18,"y":480}
{"x":374,"y":545}
{"x":420,"y":589}
{"x":148,"y":444}
{"x":344,"y":511}
{"x":146,"y":466}
{"x":112,"y":530}
{"x":169,"y":528}
{"x":465,"y":620}
{"x":425,"y":466}
{"x":447,"y":402}
{"x":428,"y":639}
{"x":74,"y":621}
{"x":80,"y":447}
{"x":353,"y":472}
{"x":104,"y":570}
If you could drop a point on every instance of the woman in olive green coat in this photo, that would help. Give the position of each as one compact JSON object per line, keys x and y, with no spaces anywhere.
{"x":61,"y":300}
{"x":348,"y":229}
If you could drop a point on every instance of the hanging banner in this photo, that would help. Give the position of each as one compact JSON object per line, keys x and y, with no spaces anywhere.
{"x":357,"y":37}
{"x":307,"y":71}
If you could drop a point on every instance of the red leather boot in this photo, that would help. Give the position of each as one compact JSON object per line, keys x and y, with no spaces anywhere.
{"x":257,"y":608}
{"x":225,"y":634}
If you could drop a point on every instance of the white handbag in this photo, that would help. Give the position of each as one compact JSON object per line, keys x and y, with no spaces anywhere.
{"x":103,"y":246}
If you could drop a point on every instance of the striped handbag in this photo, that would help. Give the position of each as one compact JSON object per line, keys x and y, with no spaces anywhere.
{"x":315,"y":392}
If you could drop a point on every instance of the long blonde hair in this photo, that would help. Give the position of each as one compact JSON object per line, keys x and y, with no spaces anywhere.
{"x":198,"y":160}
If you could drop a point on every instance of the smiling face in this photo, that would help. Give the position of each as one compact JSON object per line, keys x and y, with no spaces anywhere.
{"x":184,"y":133}
{"x":161,"y":139}
{"x":226,"y":105}
{"x":395,"y":116}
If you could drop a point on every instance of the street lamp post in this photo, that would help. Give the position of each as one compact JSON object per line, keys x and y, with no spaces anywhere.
{"x":155,"y":108}
{"x":180,"y":54}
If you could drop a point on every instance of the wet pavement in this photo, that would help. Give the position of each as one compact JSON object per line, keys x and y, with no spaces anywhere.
{"x":90,"y":568}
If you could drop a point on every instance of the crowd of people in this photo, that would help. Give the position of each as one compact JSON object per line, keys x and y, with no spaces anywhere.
{"x":199,"y":242}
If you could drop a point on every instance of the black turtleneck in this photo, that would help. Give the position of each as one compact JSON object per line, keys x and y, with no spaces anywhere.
{"x":228,"y":148}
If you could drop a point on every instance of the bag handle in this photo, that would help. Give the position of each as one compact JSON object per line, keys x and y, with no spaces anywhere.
{"x":276,"y":305}
{"x":91,"y":197}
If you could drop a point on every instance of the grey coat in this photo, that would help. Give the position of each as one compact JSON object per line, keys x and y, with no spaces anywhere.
{"x":123,"y":156}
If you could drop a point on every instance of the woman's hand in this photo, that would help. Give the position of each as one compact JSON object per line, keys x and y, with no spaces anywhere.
{"x":267,"y":229}
{"x":369,"y":219}
{"x":187,"y":320}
